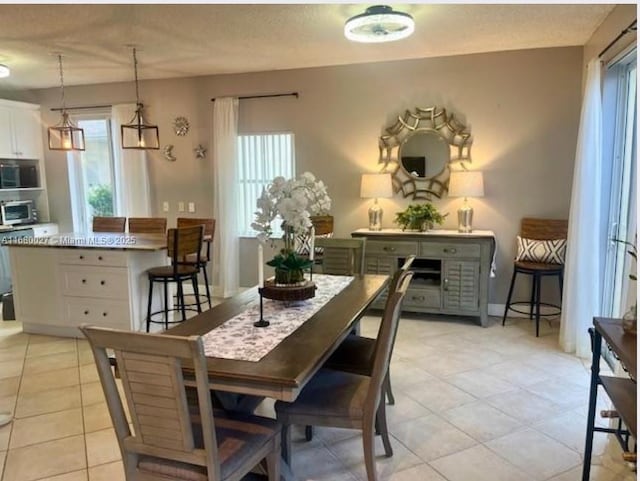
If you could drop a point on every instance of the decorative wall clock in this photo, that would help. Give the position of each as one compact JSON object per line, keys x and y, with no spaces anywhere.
{"x":181,"y":126}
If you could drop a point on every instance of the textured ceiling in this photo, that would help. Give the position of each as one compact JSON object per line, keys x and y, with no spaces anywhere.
{"x":189,"y":40}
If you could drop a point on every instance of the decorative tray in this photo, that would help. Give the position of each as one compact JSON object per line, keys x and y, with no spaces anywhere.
{"x":297,"y":292}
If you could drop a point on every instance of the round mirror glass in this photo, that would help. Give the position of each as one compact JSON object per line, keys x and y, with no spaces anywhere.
{"x":424,"y":154}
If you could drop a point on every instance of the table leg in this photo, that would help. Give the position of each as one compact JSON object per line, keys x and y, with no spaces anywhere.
{"x":593,"y":395}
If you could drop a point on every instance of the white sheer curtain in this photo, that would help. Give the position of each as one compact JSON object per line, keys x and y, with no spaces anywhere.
{"x":226,"y":263}
{"x":583,"y":280}
{"x":133,"y":197}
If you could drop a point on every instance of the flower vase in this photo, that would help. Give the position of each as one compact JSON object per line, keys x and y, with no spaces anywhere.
{"x":286,"y":276}
{"x":630,"y":321}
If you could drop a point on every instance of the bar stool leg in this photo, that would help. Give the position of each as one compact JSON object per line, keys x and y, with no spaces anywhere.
{"x":166,"y":304}
{"x":149,"y":303}
{"x":561,"y":282}
{"x":194,"y":281}
{"x":181,"y":298}
{"x":506,"y":306}
{"x":206,"y":283}
{"x":533,"y":296}
{"x":537,"y":278}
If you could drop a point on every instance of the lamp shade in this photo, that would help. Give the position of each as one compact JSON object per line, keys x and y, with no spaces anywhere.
{"x":466,"y":184}
{"x":376,"y":186}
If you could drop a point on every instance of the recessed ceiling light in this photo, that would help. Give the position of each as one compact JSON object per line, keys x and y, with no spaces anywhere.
{"x":4,"y":71}
{"x":379,"y":24}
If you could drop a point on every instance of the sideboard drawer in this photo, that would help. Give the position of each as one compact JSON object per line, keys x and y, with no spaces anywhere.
{"x":449,"y":250}
{"x":93,"y":257}
{"x":391,"y":248}
{"x":106,"y":313}
{"x":106,"y":283}
{"x":423,"y":297}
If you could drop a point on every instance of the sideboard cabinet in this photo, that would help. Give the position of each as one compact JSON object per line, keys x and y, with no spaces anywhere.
{"x":451,"y":270}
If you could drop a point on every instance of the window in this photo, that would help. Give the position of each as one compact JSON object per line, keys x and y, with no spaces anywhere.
{"x":261,"y":157}
{"x":619,"y":159}
{"x":91,"y":173}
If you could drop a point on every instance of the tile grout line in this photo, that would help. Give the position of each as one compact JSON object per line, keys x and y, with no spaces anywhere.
{"x":15,"y":406}
{"x":84,"y":434}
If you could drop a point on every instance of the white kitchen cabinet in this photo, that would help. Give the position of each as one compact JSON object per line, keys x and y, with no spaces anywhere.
{"x":20,"y":130}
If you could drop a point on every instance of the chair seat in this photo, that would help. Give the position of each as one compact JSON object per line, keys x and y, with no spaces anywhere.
{"x":331,"y":394}
{"x":355,"y":355}
{"x":193,"y":259}
{"x":167,"y":271}
{"x":238,"y":437}
{"x":538,"y":266}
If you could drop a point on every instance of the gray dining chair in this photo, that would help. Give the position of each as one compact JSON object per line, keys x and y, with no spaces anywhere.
{"x":342,"y":256}
{"x":347,"y":400}
{"x":173,"y":438}
{"x":355,"y":353}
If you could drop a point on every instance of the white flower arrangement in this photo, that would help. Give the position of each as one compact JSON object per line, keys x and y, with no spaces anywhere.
{"x":294,"y":201}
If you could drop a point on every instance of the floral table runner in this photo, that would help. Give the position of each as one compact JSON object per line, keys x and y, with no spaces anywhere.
{"x":238,"y":339}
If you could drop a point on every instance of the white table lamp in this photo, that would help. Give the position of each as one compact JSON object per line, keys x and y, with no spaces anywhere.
{"x":376,"y":186}
{"x":465,"y":183}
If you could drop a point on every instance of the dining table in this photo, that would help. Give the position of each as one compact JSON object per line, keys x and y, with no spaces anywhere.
{"x":284,"y":371}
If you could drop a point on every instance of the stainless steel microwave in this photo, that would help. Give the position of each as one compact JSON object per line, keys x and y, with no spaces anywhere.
{"x":15,"y":212}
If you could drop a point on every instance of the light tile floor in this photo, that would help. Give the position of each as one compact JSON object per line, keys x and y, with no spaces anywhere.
{"x":472,"y":404}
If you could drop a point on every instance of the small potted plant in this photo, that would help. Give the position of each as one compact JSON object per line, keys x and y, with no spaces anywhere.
{"x":421,"y":217}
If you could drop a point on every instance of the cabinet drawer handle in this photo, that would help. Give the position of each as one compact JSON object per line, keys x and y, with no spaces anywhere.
{"x":104,"y":314}
{"x":445,"y":286}
{"x":102,"y":283}
{"x":81,"y":257}
{"x":99,"y":258}
{"x":449,"y":250}
{"x":417,"y":298}
{"x":389,"y":249}
{"x":86,"y":313}
{"x":84,"y":281}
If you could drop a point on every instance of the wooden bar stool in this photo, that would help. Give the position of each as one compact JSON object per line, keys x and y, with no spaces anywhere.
{"x":180,"y":244}
{"x":209,"y":231}
{"x":541,"y":250}
{"x":147,"y":225}
{"x":109,"y":224}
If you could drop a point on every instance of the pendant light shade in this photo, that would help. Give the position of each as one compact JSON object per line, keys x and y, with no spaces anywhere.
{"x":137,"y":134}
{"x":377,"y":24}
{"x":65,"y":136}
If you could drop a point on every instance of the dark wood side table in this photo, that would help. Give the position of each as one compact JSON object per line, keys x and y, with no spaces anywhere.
{"x":621,"y":391}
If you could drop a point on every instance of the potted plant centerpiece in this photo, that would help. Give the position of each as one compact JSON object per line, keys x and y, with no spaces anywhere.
{"x":420,"y":217}
{"x":293,"y":201}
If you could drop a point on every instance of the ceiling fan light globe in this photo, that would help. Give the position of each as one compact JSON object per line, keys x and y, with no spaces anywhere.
{"x":379,"y":24}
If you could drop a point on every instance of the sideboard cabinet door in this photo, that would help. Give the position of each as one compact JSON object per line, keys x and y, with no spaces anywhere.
{"x":460,"y":285}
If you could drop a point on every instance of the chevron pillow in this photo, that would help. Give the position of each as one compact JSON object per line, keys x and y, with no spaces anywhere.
{"x":545,"y":251}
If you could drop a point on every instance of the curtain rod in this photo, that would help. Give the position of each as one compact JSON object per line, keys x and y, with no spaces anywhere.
{"x":631,"y":28}
{"x":59,"y":109}
{"x":290,"y":94}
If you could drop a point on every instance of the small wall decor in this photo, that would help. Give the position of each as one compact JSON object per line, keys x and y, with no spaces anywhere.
{"x":167,"y":151}
{"x":181,"y":126}
{"x":200,"y":151}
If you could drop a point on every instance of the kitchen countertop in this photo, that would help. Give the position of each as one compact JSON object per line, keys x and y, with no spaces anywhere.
{"x":98,"y":240}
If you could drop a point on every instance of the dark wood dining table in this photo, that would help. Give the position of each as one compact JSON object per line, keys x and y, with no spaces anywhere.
{"x":284,"y":371}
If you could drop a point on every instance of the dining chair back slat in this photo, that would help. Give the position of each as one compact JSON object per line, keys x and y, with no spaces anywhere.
{"x":147,"y":225}
{"x":544,"y":229}
{"x":109,"y":224}
{"x":184,"y":242}
{"x":208,"y":223}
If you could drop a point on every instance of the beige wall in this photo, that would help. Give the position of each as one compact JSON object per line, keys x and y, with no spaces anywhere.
{"x":522,"y":108}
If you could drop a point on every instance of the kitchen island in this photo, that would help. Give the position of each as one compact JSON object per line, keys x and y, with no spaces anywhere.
{"x":65,"y":280}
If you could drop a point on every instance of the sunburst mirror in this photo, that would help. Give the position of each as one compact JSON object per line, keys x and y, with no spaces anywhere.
{"x":419,"y":148}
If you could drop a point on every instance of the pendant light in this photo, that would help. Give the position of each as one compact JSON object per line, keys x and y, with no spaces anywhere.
{"x":65,"y":136}
{"x":377,"y":24}
{"x":137,"y":134}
